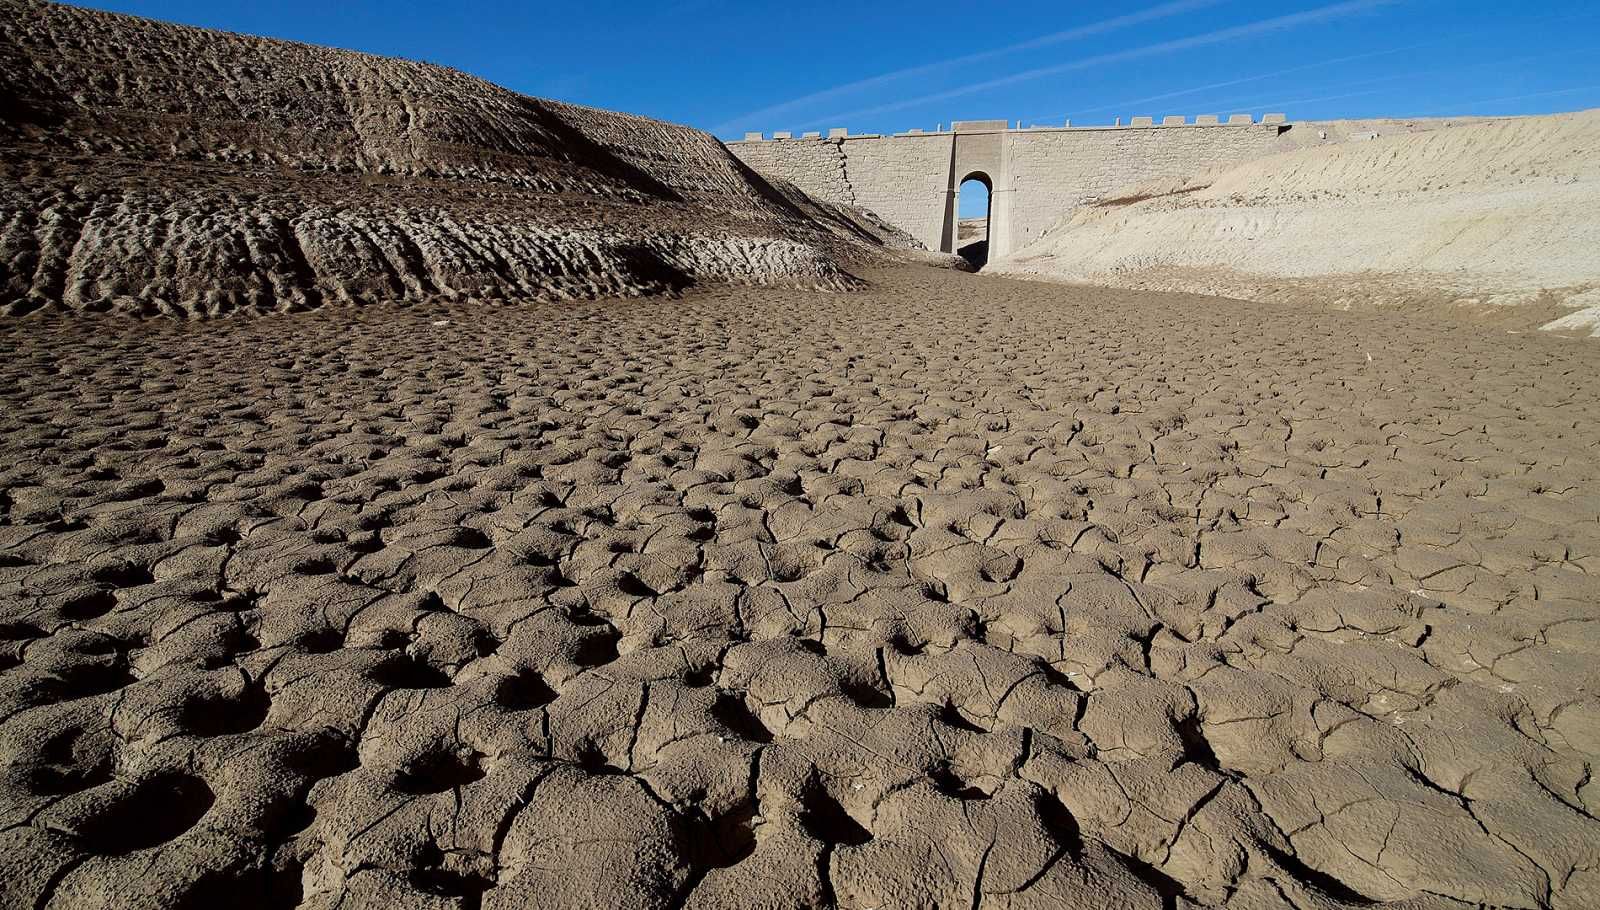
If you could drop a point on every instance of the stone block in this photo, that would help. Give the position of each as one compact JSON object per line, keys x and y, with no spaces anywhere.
{"x":1173,"y":120}
{"x":979,"y":126}
{"x":1207,"y":120}
{"x":838,"y":132}
{"x":752,"y":137}
{"x":1142,"y":121}
{"x":1236,"y":119}
{"x":782,"y":134}
{"x":1275,"y":118}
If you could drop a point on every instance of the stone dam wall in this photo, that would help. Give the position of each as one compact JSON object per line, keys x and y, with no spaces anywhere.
{"x":1035,"y":175}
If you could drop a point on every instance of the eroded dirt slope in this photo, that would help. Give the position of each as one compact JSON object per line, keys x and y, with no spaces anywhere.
{"x":1500,"y":212}
{"x":957,"y":592}
{"x":150,"y":167}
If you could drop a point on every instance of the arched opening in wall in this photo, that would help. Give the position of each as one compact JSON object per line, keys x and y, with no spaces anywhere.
{"x":973,"y":206}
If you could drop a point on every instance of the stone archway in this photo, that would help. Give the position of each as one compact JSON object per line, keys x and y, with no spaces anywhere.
{"x":980,"y":150}
{"x":972,"y":240}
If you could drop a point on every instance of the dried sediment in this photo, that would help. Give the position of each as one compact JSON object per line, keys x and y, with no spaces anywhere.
{"x":764,"y":598}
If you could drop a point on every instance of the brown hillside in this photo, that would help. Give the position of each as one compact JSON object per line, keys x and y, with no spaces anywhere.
{"x":159,"y":168}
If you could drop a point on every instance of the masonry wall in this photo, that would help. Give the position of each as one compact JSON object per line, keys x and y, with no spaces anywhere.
{"x":1055,"y":172}
{"x":904,"y":179}
{"x":814,"y":165}
{"x":909,"y":180}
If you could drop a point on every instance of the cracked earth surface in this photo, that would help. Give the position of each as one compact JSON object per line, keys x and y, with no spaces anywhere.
{"x":954,"y":592}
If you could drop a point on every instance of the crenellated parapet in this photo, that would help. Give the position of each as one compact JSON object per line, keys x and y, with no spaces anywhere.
{"x":1008,"y":126}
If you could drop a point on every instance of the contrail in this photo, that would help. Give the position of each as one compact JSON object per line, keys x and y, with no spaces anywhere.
{"x":1332,"y":61}
{"x":1164,"y":11}
{"x":1272,"y":75}
{"x":1564,"y":91}
{"x":1567,"y":91}
{"x":1237,"y":104}
{"x":1279,"y":23}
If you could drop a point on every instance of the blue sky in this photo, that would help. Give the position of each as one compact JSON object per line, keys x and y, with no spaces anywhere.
{"x":883,"y":65}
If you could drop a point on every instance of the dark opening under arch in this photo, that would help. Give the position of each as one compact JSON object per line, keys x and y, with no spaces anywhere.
{"x":974,"y":205}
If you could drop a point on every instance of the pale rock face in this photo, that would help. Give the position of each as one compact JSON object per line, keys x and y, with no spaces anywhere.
{"x":1585,"y":319}
{"x":1492,"y":211}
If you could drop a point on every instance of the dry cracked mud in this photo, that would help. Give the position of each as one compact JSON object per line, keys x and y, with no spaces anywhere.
{"x":956,"y":592}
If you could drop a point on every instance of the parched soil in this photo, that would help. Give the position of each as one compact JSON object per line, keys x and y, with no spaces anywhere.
{"x":956,"y":592}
